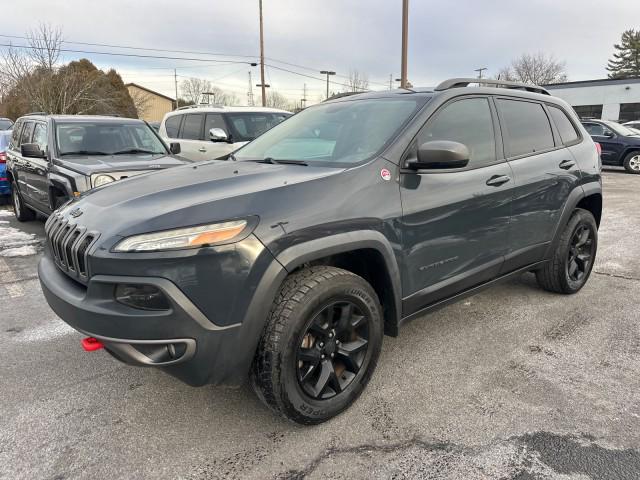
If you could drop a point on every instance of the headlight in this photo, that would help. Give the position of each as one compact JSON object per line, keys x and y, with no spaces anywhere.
{"x":103,"y":180}
{"x":200,"y":236}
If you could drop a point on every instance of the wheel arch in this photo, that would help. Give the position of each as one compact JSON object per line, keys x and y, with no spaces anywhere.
{"x":365,"y":253}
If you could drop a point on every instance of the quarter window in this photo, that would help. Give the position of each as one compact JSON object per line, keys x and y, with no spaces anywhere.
{"x":192,"y":127}
{"x":526,"y":126}
{"x":566,"y":129}
{"x":26,"y":133}
{"x":172,"y":125}
{"x":468,"y":122}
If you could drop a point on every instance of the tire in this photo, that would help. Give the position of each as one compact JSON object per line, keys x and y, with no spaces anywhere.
{"x":21,"y":211}
{"x":632,"y":163}
{"x":572,"y":262}
{"x":287,"y":374}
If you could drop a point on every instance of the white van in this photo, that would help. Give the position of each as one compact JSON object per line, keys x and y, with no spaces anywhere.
{"x":210,"y":132}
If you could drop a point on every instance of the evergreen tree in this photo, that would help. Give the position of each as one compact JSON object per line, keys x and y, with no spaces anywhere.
{"x":626,"y":59}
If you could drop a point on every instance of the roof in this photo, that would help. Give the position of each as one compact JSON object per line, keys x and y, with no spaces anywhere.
{"x":224,"y":108}
{"x":592,"y":83}
{"x":85,"y":118}
{"x":148,"y":90}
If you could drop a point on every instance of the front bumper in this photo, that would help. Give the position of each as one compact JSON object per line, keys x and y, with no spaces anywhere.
{"x":183,"y":341}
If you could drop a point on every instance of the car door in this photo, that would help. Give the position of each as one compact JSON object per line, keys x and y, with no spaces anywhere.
{"x":39,"y":168}
{"x":610,"y":143}
{"x":191,"y":135}
{"x":545,"y":172}
{"x":455,"y":222}
{"x":23,"y":173}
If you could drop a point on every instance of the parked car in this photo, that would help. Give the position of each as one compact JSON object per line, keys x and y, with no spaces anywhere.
{"x":620,"y":145}
{"x":6,"y":124}
{"x":635,"y":124}
{"x":332,"y":228}
{"x":207,"y":132}
{"x":5,"y":186}
{"x":53,"y":158}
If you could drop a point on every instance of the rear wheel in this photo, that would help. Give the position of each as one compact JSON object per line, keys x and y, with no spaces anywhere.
{"x":632,"y":163}
{"x":571,"y":264}
{"x":21,"y":211}
{"x":320,"y":346}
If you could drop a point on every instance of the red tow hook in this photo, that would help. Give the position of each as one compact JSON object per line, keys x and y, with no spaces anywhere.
{"x":91,"y":344}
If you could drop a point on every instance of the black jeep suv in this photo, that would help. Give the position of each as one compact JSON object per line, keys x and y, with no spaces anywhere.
{"x":620,"y":145}
{"x":290,"y":261}
{"x":52,"y":158}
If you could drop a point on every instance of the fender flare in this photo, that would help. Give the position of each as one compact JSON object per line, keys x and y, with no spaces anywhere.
{"x":59,"y":182}
{"x":305,"y":252}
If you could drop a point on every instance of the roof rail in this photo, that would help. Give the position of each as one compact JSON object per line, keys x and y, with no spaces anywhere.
{"x":464,"y":82}
{"x":35,"y":113}
{"x":201,"y":105}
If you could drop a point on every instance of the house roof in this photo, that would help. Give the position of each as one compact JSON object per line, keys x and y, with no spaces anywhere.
{"x":593,"y":83}
{"x":148,"y":90}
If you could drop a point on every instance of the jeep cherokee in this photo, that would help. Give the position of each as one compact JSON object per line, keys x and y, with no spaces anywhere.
{"x":289,"y":262}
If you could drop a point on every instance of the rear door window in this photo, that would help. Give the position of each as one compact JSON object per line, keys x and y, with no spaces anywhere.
{"x":526,"y":127}
{"x":26,"y":133}
{"x":192,"y":127}
{"x":567,"y":131}
{"x":172,"y":125}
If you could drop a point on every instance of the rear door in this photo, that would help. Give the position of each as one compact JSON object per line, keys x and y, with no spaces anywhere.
{"x":545,"y":172}
{"x":37,"y":173}
{"x":191,"y":136}
{"x":23,"y":168}
{"x":455,"y":222}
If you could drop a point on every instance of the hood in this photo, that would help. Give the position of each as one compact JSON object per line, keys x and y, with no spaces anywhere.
{"x":91,"y":164}
{"x":193,"y":194}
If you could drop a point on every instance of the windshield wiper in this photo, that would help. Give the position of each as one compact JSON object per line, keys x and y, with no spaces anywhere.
{"x":136,"y":150}
{"x":273,"y":161}
{"x":84,"y":152}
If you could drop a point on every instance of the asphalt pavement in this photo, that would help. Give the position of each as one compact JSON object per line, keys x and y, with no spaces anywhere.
{"x":513,"y":383}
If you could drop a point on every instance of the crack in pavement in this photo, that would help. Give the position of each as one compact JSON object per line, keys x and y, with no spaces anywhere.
{"x":616,"y":275}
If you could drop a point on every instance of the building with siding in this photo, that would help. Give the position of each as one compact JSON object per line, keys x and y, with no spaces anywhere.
{"x":151,"y":105}
{"x":608,"y":99}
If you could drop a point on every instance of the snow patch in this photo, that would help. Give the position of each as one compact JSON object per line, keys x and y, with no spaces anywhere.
{"x":14,"y":243}
{"x":23,"y":251}
{"x":6,"y":213}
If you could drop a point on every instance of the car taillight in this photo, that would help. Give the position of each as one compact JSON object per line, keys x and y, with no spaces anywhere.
{"x":598,"y":148}
{"x":3,"y":157}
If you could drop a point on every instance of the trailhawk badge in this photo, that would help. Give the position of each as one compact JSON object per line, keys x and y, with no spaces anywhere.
{"x":385,"y":174}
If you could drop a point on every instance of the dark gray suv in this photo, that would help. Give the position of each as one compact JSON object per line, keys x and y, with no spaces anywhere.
{"x":289,"y":262}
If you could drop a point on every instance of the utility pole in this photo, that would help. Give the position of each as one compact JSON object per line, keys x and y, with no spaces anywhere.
{"x":327,"y":73}
{"x":262,"y":84}
{"x":175,"y":79}
{"x":391,"y":81}
{"x":303,"y":102}
{"x":250,"y":92}
{"x":405,"y":43}
{"x":480,"y":70}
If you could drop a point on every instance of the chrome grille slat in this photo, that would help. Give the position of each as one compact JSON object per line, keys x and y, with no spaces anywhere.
{"x":69,"y":244}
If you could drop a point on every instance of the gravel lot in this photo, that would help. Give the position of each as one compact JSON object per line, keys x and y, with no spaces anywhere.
{"x":513,"y":383}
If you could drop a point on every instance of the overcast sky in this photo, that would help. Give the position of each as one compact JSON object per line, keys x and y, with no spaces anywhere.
{"x":446,"y":39}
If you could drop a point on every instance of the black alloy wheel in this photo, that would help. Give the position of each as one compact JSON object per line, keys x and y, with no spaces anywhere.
{"x":332,"y":350}
{"x":580,"y":253}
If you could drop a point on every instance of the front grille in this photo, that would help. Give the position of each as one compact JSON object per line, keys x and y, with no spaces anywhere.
{"x":69,"y":244}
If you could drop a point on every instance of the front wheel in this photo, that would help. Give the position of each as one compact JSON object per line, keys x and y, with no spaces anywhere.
{"x":21,"y":211}
{"x":320,"y":346}
{"x":632,"y":163}
{"x":571,"y":263}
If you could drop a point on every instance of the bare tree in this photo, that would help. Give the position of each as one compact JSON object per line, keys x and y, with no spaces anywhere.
{"x":278,"y":100}
{"x":193,"y":88}
{"x":358,"y":82}
{"x":538,"y":69}
{"x":217,"y":96}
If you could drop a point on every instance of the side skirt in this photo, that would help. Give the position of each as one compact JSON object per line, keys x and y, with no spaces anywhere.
{"x":472,"y":291}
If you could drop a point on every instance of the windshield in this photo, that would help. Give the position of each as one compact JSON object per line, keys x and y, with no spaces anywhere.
{"x":247,"y":126}
{"x":621,"y":129}
{"x":107,"y":138}
{"x":335,"y":134}
{"x":5,"y":124}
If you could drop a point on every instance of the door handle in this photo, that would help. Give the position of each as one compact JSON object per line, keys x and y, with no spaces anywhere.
{"x":566,"y":164}
{"x":498,"y":180}
{"x":202,"y":149}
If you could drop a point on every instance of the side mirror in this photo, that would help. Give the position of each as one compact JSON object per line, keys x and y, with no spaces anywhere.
{"x":440,"y":154}
{"x":218,"y":135}
{"x":608,"y":134}
{"x":174,"y":147}
{"x":31,"y":150}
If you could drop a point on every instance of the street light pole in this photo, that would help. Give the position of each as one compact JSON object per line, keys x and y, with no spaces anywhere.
{"x":262,"y":84}
{"x":327,"y":73}
{"x":405,"y":43}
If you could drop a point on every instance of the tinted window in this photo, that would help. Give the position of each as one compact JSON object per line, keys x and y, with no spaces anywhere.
{"x":526,"y":126}
{"x":247,"y":126}
{"x":335,"y":134}
{"x":566,"y":129}
{"x":192,"y":127}
{"x":213,"y":120}
{"x":597,"y":129}
{"x":468,"y":122}
{"x":26,"y":133}
{"x":40,"y":136}
{"x":172,"y":125}
{"x":15,"y":135}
